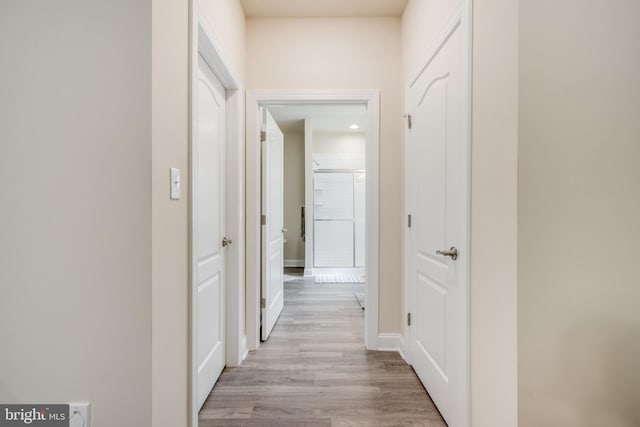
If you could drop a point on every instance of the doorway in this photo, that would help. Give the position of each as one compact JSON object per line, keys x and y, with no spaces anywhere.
{"x":324,"y":229}
{"x":437,"y":248}
{"x":324,"y":189}
{"x":216,"y":205}
{"x":368,"y":101}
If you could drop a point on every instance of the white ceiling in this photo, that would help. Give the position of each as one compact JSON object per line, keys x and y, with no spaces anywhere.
{"x":322,"y":8}
{"x":323,"y":118}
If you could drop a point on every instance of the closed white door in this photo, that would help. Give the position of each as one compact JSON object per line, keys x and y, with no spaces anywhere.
{"x":208,"y":229}
{"x":272,"y":300}
{"x":436,"y":153}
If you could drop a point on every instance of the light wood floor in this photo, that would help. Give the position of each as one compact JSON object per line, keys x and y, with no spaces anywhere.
{"x":314,"y":371}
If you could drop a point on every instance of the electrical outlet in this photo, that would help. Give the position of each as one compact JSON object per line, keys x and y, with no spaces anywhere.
{"x":79,"y":414}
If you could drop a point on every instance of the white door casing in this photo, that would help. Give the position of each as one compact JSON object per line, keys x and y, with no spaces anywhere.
{"x":273,"y":227}
{"x":208,"y":228}
{"x":437,"y":153}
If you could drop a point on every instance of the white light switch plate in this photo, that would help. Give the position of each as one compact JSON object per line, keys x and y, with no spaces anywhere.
{"x":175,"y":184}
{"x":79,"y":414}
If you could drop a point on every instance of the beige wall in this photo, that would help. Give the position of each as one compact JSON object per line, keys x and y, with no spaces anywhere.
{"x":170,"y":130}
{"x":579,"y":320}
{"x":170,"y":127}
{"x":493,"y":281}
{"x":494,"y":198}
{"x":75,"y":235}
{"x":227,"y":21}
{"x":293,"y":194}
{"x":344,"y":53}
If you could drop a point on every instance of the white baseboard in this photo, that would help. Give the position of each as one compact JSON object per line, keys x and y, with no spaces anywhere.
{"x":403,"y":349}
{"x":294,"y":263}
{"x":308,"y":272}
{"x":393,"y":342}
{"x":390,"y":342}
{"x":245,"y":348}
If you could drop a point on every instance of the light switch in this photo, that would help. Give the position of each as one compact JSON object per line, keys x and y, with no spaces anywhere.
{"x":79,"y":414}
{"x":175,"y":184}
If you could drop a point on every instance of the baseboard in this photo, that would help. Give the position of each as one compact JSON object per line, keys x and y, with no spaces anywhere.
{"x":308,"y":272}
{"x":403,"y":349}
{"x":390,"y":342}
{"x":294,"y":263}
{"x":245,"y":348}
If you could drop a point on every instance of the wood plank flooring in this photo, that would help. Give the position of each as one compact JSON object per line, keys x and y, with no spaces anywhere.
{"x":315,"y":372}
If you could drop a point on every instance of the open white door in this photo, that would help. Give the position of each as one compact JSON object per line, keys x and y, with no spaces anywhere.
{"x":208,"y":206}
{"x":436,"y":156}
{"x":272,"y":300}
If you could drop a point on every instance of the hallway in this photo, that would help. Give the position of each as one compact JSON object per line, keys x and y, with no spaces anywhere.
{"x":314,"y":371}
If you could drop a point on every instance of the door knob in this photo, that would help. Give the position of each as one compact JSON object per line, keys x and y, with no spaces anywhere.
{"x":453,"y":253}
{"x":284,"y":230}
{"x":226,"y":242}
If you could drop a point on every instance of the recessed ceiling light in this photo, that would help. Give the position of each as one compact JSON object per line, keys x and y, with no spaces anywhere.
{"x":354,"y":126}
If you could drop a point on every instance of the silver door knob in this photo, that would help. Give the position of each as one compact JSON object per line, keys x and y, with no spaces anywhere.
{"x":284,"y":230}
{"x":453,"y":253}
{"x":226,"y":242}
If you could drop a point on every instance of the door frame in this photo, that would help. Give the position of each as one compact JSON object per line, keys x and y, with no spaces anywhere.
{"x":264,"y":98}
{"x":204,"y":42}
{"x":461,"y":16}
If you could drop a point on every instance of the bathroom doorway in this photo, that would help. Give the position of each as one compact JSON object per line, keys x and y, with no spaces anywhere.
{"x":331,"y":203}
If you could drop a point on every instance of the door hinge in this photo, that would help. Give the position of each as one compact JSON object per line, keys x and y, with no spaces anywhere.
{"x":263,"y":303}
{"x":263,"y":136}
{"x":409,"y":220}
{"x":409,"y":122}
{"x":408,"y":319}
{"x":263,"y":220}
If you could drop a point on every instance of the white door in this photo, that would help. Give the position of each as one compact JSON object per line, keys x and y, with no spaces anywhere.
{"x":208,"y":229}
{"x":272,"y":299}
{"x":436,"y":153}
